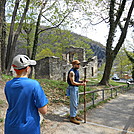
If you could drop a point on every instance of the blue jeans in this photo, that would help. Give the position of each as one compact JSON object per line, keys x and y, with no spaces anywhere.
{"x":74,"y":100}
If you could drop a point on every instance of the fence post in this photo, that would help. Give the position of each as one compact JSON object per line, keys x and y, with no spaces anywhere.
{"x":116,"y":92}
{"x":128,"y":84}
{"x":111,"y":92}
{"x":103,"y":95}
{"x":93,"y":98}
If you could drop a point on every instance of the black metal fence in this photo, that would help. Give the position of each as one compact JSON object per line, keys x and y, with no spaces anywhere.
{"x":112,"y":91}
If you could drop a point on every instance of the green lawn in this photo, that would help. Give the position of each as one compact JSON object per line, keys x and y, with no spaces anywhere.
{"x":56,"y":90}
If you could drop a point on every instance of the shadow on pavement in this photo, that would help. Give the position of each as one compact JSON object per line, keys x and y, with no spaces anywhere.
{"x":129,"y":123}
{"x":55,"y":117}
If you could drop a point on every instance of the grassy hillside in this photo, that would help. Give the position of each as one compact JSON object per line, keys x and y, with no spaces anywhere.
{"x":56,"y":90}
{"x":54,"y":41}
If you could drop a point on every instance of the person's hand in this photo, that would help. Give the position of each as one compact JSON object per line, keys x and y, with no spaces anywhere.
{"x":83,"y":84}
{"x":87,"y":81}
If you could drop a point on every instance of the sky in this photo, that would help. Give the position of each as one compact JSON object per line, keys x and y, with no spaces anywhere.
{"x":99,"y":33}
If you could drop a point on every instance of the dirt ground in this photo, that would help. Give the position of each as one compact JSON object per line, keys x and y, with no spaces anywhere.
{"x":114,"y":117}
{"x":3,"y":106}
{"x":55,"y":122}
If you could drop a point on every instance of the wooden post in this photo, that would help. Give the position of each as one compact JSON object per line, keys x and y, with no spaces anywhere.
{"x":116,"y":92}
{"x":111,"y":92}
{"x":103,"y":95}
{"x":84,"y":95}
{"x":93,"y":99}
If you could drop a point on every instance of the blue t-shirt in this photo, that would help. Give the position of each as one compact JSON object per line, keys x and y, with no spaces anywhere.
{"x":24,"y":97}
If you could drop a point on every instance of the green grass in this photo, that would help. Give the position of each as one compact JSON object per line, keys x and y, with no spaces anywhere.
{"x":6,"y":77}
{"x":113,"y":83}
{"x":1,"y":102}
{"x":56,"y":90}
{"x":1,"y":120}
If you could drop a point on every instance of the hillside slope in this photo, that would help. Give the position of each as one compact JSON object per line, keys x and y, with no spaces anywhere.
{"x":66,"y":38}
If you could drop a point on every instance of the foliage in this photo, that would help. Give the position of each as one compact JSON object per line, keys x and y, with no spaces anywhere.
{"x":130,"y":56}
{"x":121,"y":63}
{"x":1,"y":119}
{"x":116,"y":14}
{"x":131,"y":59}
{"x":51,"y":14}
{"x":6,"y":77}
{"x":56,"y":90}
{"x":44,"y":53}
{"x":58,"y":40}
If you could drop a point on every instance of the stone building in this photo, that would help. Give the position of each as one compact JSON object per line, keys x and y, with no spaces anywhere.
{"x":56,"y":69}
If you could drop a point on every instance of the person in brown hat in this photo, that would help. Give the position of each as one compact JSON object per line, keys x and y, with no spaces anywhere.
{"x":73,"y":89}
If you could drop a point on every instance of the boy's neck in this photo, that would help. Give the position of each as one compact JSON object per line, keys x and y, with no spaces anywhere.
{"x":20,"y":76}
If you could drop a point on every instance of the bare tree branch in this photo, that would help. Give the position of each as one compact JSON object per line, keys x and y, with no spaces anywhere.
{"x":99,"y":21}
{"x":120,"y":11}
{"x":55,"y":25}
{"x":124,"y":30}
{"x":49,"y":7}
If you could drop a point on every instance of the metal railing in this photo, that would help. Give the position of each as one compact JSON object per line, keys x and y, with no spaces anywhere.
{"x":113,"y":92}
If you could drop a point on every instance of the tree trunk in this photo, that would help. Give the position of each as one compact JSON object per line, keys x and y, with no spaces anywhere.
{"x":133,"y":71}
{"x":107,"y":71}
{"x":17,"y":33}
{"x":2,"y":35}
{"x":28,"y":49}
{"x":11,"y":32}
{"x":36,"y":34}
{"x":111,"y":54}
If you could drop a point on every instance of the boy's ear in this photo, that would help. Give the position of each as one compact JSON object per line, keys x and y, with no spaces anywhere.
{"x":27,"y":68}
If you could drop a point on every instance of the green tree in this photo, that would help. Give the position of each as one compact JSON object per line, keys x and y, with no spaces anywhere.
{"x":44,"y":53}
{"x":121,"y":63}
{"x":130,"y":56}
{"x":27,"y":32}
{"x":51,"y":14}
{"x":13,"y":35}
{"x":58,"y":40}
{"x":27,"y":37}
{"x":114,"y":20}
{"x":115,"y":14}
{"x":54,"y":16}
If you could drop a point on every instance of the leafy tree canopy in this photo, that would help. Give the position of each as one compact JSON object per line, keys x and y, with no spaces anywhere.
{"x":58,"y":40}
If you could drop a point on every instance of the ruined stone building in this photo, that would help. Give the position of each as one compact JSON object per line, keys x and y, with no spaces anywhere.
{"x":56,"y":69}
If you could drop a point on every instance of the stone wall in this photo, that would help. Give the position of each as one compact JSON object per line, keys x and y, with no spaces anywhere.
{"x":49,"y":68}
{"x":56,"y":69}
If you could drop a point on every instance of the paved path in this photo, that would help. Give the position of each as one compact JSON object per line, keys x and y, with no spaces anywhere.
{"x":118,"y":114}
{"x":114,"y":117}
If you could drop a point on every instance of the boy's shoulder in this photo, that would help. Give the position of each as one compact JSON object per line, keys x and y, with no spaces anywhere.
{"x":22,"y":80}
{"x":32,"y":81}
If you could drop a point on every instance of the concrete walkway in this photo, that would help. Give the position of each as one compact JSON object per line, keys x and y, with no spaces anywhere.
{"x":118,"y":114}
{"x":114,"y":117}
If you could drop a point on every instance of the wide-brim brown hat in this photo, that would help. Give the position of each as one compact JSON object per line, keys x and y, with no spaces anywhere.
{"x":75,"y":62}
